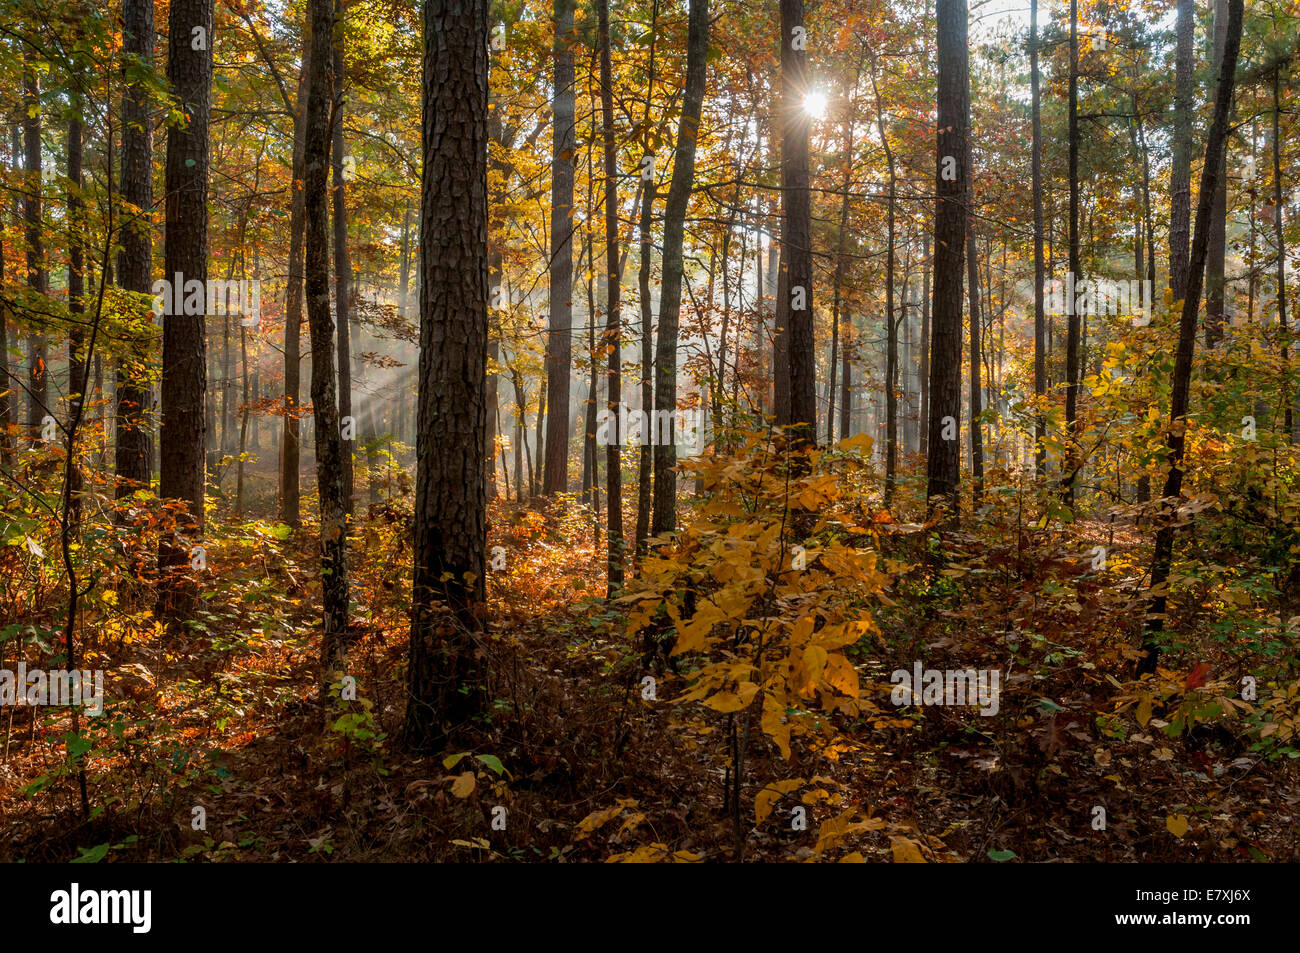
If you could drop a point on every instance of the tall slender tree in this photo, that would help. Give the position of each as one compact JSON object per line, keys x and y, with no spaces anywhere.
{"x":290,"y":446}
{"x":559,"y":343}
{"x":342,"y":262}
{"x":1040,"y":323}
{"x":325,"y":412}
{"x":664,"y":517}
{"x":38,"y":278}
{"x":1176,"y":435}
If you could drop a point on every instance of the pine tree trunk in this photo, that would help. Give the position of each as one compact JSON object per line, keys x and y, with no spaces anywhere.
{"x":184,"y":363}
{"x":944,"y":455}
{"x":794,"y":296}
{"x":559,"y":346}
{"x":445,"y":683}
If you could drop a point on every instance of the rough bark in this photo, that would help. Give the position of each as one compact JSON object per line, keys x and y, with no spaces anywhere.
{"x":444,"y":681}
{"x":559,"y":345}
{"x":185,"y":259}
{"x":944,"y":456}
{"x":794,"y":296}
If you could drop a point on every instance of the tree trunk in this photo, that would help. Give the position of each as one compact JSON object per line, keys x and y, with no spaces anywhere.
{"x":131,"y":445}
{"x":1180,"y":175}
{"x":1289,"y":415}
{"x":891,"y":326}
{"x":342,"y":267}
{"x":1040,"y":324}
{"x":923,"y":421}
{"x":445,"y":683}
{"x":184,"y":362}
{"x":325,"y":413}
{"x":976,"y":393}
{"x":559,"y":346}
{"x":613,"y":339}
{"x":1073,"y":331}
{"x":944,"y":455}
{"x":664,"y":517}
{"x":291,"y":437}
{"x":1216,"y":254}
{"x":794,"y":296}
{"x":1181,"y":384}
{"x":38,"y":279}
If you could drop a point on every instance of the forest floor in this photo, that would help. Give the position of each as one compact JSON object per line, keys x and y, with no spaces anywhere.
{"x":219,"y":748}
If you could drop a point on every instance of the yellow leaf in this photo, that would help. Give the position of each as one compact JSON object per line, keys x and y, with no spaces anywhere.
{"x":857,"y":442}
{"x":725,"y":702}
{"x":463,"y":786}
{"x":767,"y":798}
{"x":842,"y":676}
{"x":774,"y":727}
{"x":1144,"y":710}
{"x":1176,"y":824}
{"x":905,"y":851}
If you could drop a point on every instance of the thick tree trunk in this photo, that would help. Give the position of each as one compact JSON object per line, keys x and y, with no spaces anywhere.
{"x":184,"y":363}
{"x":794,"y":296}
{"x":944,"y":453}
{"x":131,"y":446}
{"x":559,"y":346}
{"x":1181,"y":384}
{"x":664,"y":518}
{"x":445,"y":683}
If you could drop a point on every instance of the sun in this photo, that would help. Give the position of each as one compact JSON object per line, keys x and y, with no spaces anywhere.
{"x":814,"y":104}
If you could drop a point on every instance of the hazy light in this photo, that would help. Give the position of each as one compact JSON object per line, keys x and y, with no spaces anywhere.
{"x":814,"y":104}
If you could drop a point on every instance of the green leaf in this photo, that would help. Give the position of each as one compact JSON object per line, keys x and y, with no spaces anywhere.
{"x":1001,"y":855}
{"x":452,"y":760}
{"x":493,"y":762}
{"x":77,"y":745}
{"x":92,"y":856}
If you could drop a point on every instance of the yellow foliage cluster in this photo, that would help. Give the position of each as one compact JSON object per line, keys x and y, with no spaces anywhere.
{"x":766,"y":587}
